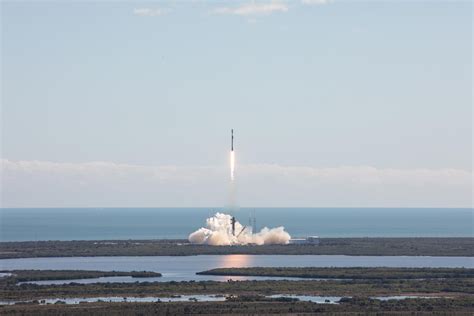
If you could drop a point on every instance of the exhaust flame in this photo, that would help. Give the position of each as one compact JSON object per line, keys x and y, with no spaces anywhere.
{"x":218,"y":232}
{"x":232,"y":165}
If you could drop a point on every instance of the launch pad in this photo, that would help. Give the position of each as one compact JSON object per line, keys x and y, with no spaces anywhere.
{"x":232,"y":222}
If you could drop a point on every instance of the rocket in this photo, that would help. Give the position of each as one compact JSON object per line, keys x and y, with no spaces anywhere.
{"x":231,"y":140}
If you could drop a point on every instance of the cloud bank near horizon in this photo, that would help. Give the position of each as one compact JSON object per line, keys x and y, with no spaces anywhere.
{"x":253,"y":9}
{"x":149,"y":11}
{"x":101,"y":184}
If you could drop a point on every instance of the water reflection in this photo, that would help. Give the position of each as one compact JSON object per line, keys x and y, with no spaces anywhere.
{"x":234,"y":261}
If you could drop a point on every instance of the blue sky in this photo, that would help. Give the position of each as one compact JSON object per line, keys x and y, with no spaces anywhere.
{"x":327,"y":84}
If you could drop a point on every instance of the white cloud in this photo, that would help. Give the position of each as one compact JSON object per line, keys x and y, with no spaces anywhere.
{"x":149,"y":11}
{"x":100,"y":184}
{"x":316,"y":2}
{"x":253,"y":9}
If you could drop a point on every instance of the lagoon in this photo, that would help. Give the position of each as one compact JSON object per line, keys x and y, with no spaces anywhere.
{"x":184,"y":268}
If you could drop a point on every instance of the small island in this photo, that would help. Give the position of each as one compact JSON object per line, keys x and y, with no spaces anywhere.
{"x":346,"y":273}
{"x":15,"y":276}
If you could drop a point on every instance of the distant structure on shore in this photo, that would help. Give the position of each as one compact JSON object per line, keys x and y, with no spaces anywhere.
{"x":312,"y":240}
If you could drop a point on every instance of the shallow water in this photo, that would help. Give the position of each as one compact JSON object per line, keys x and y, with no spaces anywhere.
{"x":311,"y":298}
{"x":198,"y":298}
{"x":400,"y":297}
{"x":130,"y":299}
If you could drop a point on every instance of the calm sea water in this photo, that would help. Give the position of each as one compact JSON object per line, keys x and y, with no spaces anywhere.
{"x":152,"y":223}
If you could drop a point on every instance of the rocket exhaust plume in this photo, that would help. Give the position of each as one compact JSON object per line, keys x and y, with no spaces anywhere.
{"x":218,"y":232}
{"x":232,"y":165}
{"x":224,"y":230}
{"x":232,"y":155}
{"x":232,"y":199}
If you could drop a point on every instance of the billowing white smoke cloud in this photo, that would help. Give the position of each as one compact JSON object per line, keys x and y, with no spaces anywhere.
{"x":218,"y":232}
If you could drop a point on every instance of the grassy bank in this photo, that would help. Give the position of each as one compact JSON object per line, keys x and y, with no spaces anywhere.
{"x":328,"y":246}
{"x":346,"y":273}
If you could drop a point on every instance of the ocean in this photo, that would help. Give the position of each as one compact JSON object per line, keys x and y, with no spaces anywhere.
{"x":175,"y":223}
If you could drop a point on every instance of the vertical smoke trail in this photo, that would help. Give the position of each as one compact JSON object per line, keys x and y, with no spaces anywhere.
{"x":232,"y":156}
{"x":232,"y":198}
{"x":232,"y":165}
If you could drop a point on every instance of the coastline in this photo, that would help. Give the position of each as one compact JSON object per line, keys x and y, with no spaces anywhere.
{"x":374,"y":246}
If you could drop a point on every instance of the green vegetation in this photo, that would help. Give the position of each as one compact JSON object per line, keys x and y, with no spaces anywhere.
{"x":454,"y":287}
{"x":354,"y":306}
{"x":328,"y":246}
{"x":441,"y":287}
{"x":347,"y":273}
{"x":38,"y":275}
